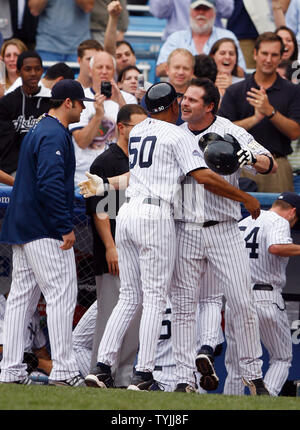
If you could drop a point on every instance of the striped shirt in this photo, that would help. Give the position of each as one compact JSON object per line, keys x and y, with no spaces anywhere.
{"x":216,"y":207}
{"x":268,"y":229}
{"x":160,"y":155}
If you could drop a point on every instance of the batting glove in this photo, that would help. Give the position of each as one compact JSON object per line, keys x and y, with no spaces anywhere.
{"x":246,"y":157}
{"x":94,"y":186}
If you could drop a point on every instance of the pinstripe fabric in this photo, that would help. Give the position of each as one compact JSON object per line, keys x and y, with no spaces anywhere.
{"x":170,"y":163}
{"x":273,"y":321}
{"x":145,"y":235}
{"x":83,"y":335}
{"x":209,"y":331}
{"x":41,"y":266}
{"x":221,"y":245}
{"x":217,"y":207}
{"x":146,"y":249}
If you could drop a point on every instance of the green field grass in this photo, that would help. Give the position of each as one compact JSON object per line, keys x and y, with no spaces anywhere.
{"x":17,"y":397}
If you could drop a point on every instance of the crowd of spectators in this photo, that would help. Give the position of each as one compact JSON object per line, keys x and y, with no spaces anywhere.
{"x":249,"y":49}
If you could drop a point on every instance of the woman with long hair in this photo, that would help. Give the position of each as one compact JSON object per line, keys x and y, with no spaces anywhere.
{"x":10,"y":51}
{"x":225,"y":53}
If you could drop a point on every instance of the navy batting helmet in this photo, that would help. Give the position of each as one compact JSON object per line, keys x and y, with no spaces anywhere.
{"x":207,"y":138}
{"x":221,"y":156}
{"x":160,"y":96}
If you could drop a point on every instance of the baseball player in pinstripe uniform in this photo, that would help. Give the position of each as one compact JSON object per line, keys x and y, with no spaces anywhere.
{"x":161,"y":155}
{"x":217,"y":241}
{"x":38,"y":223}
{"x":269,"y":244}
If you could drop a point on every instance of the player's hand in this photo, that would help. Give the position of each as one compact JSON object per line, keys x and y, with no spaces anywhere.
{"x":68,"y":241}
{"x":112,"y":261}
{"x":253,"y":206}
{"x":246,"y":157}
{"x":94,"y":186}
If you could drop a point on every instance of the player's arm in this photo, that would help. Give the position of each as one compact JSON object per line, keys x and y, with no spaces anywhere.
{"x":102,"y":225}
{"x":85,"y":135}
{"x":217,"y":185}
{"x":285,"y":250}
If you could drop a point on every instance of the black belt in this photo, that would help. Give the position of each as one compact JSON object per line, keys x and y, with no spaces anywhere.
{"x":263,"y":287}
{"x":158,"y":368}
{"x":147,"y":200}
{"x":209,"y":223}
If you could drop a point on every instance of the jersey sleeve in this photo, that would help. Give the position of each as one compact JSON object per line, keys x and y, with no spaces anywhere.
{"x":187,"y":153}
{"x":279,"y":233}
{"x":247,"y":141}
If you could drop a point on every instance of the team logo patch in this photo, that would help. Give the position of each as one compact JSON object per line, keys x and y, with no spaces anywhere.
{"x":58,"y":152}
{"x":197,"y":153}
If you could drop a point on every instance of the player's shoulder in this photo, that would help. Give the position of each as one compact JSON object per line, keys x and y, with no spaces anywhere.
{"x":229,"y":127}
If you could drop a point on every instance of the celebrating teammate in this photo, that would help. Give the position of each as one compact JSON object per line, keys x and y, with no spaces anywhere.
{"x":269,"y":245}
{"x":38,"y":223}
{"x":161,"y":154}
{"x":217,"y":241}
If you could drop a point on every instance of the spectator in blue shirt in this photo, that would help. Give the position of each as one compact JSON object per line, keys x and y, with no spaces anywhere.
{"x":199,"y":37}
{"x":177,"y":13}
{"x":62,"y":26}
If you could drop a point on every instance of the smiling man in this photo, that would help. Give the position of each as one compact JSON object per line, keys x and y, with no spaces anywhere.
{"x":199,"y":37}
{"x":267,"y":106}
{"x":20,"y":109}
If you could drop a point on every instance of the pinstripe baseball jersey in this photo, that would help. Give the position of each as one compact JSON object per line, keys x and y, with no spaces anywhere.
{"x":268,"y":229}
{"x":216,"y":207}
{"x":160,"y":155}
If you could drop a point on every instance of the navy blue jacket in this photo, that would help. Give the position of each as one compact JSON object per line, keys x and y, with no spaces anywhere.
{"x":42,"y":198}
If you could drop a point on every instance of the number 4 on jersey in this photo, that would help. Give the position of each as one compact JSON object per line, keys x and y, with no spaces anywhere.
{"x":253,"y":245}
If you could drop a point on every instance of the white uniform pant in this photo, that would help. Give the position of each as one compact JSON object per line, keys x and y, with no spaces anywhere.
{"x":40,"y":266}
{"x":83,"y":335}
{"x":108,"y":289}
{"x":223,"y":247}
{"x":145,"y":240}
{"x":276,"y":337}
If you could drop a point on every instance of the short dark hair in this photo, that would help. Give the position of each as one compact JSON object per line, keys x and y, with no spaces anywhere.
{"x":124,"y":42}
{"x":205,"y":67}
{"x":88,"y":44}
{"x":268,"y":36}
{"x":211,"y":92}
{"x":294,"y":56}
{"x":126,"y":111}
{"x":27,"y":54}
{"x":59,"y":69}
{"x":123,"y":71}
{"x":287,"y":66}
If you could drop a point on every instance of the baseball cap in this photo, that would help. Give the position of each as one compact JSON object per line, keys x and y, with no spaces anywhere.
{"x":294,"y":200}
{"x":69,"y":88}
{"x":196,"y":3}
